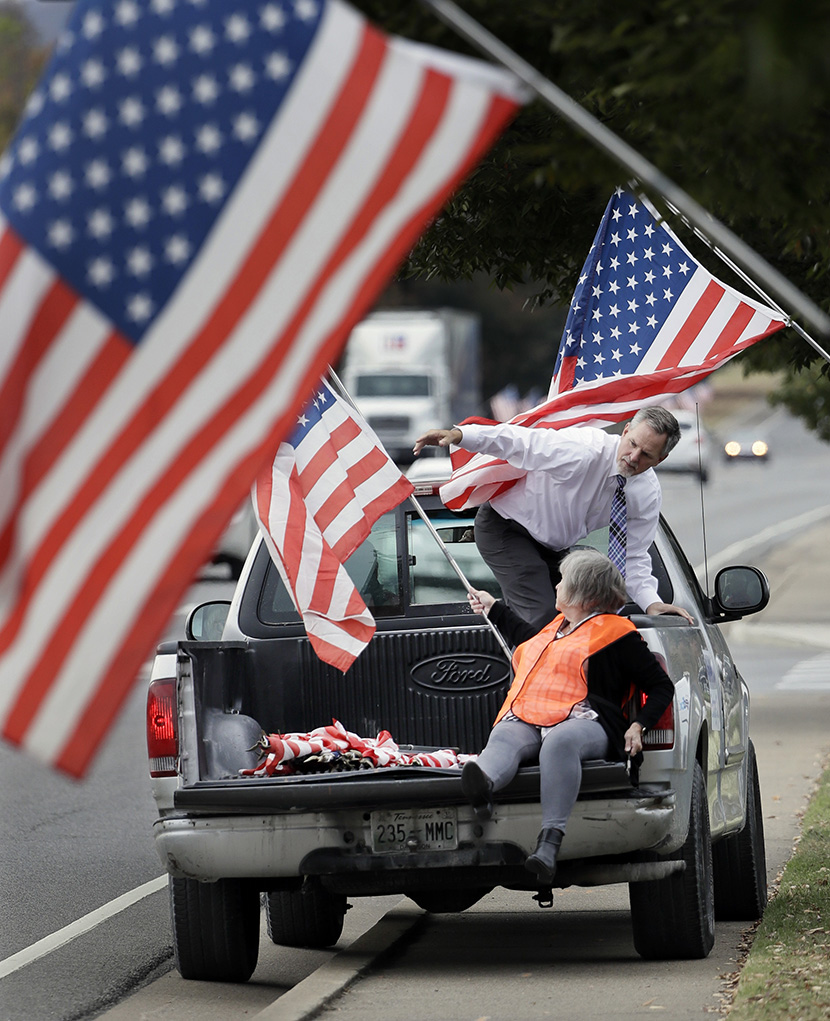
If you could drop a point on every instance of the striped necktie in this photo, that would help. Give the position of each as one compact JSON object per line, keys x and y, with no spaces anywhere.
{"x":616,"y":533}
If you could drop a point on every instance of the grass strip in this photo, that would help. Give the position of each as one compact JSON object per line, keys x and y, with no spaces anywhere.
{"x":786,"y":976}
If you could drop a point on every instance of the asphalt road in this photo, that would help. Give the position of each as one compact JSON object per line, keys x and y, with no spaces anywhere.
{"x":70,"y":849}
{"x":746,"y":499}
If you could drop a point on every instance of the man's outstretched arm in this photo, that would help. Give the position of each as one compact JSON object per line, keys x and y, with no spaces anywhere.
{"x":438,"y":438}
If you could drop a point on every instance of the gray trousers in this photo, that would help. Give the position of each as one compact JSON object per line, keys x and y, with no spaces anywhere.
{"x":526,"y":570}
{"x":561,"y":755}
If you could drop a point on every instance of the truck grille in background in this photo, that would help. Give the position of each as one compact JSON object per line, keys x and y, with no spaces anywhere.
{"x":455,"y":684}
{"x":389,"y":423}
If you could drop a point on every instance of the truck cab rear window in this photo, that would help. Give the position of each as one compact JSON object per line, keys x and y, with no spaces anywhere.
{"x":373,"y":567}
{"x":431,"y":576}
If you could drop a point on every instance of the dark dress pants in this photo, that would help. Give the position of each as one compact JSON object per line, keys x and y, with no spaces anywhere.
{"x":526,"y":570}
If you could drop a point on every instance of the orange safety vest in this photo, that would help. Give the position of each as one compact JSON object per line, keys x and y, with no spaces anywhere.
{"x":549,"y":672}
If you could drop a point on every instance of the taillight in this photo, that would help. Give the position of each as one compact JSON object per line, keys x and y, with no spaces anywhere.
{"x":162,"y":727}
{"x":661,"y":735}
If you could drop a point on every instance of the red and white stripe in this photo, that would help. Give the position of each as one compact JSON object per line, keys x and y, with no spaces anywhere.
{"x":342,"y":626}
{"x":316,"y":504}
{"x":710,"y":324}
{"x":120,"y":466}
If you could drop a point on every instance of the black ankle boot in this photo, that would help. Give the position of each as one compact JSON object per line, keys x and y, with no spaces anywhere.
{"x":543,"y":860}
{"x":478,"y":789}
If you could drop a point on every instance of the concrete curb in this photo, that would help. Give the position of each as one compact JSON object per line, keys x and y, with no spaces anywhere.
{"x":313,"y":993}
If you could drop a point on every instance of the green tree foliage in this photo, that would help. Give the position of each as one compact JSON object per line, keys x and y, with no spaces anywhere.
{"x":20,"y":65}
{"x":730,"y":100}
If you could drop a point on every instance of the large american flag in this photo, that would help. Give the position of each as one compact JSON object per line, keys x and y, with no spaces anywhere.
{"x":646,"y":322}
{"x":202,"y":198}
{"x":330,"y":482}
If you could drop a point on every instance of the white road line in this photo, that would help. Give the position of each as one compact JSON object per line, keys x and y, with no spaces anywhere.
{"x":78,"y":928}
{"x":808,"y":675}
{"x":732,"y":554}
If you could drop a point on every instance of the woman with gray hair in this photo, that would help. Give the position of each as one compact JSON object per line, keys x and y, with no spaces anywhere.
{"x":572,"y":683}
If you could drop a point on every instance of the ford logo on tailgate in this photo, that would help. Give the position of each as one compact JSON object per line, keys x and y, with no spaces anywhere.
{"x":459,"y":672}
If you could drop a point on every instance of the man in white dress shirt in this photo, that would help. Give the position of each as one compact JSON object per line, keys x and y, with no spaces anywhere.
{"x":571,"y":478}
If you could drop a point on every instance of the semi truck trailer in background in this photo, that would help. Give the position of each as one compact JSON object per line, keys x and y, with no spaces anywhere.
{"x":412,"y":370}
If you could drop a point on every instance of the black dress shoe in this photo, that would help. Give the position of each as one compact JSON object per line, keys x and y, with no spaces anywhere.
{"x":478,"y":789}
{"x":543,"y":860}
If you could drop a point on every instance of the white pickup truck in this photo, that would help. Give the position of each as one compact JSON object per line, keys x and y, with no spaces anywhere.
{"x":684,"y":831}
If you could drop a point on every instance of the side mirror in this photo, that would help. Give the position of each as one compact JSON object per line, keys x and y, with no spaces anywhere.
{"x":206,"y":622}
{"x":739,"y":591}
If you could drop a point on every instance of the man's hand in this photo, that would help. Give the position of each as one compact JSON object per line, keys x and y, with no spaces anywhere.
{"x":656,"y":608}
{"x":634,"y":739}
{"x":437,"y":438}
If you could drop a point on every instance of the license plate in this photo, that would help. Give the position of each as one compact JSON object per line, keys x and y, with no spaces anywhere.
{"x":415,"y":829}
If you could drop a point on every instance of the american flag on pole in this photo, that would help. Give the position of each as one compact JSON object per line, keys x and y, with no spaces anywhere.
{"x":646,"y":322}
{"x":202,"y":198}
{"x":330,"y":482}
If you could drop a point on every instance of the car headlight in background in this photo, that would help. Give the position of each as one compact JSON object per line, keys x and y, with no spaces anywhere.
{"x":738,"y":448}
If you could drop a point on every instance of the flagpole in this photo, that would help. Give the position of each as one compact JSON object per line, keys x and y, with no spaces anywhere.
{"x":431,"y":528}
{"x":455,"y":566}
{"x":618,"y":150}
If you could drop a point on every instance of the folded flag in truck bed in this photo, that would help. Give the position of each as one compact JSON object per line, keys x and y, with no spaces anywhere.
{"x":286,"y":753}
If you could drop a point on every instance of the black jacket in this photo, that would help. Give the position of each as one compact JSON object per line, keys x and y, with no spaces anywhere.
{"x":610,"y":674}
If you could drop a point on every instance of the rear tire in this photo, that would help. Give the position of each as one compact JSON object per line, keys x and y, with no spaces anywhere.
{"x":674,"y":918}
{"x":215,"y":929}
{"x":740,"y":862}
{"x":308,"y":917}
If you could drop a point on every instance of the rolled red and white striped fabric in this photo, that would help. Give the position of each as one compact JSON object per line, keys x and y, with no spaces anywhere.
{"x":280,"y":750}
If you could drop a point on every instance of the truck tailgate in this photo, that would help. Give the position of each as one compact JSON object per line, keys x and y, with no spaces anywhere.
{"x":402,"y":787}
